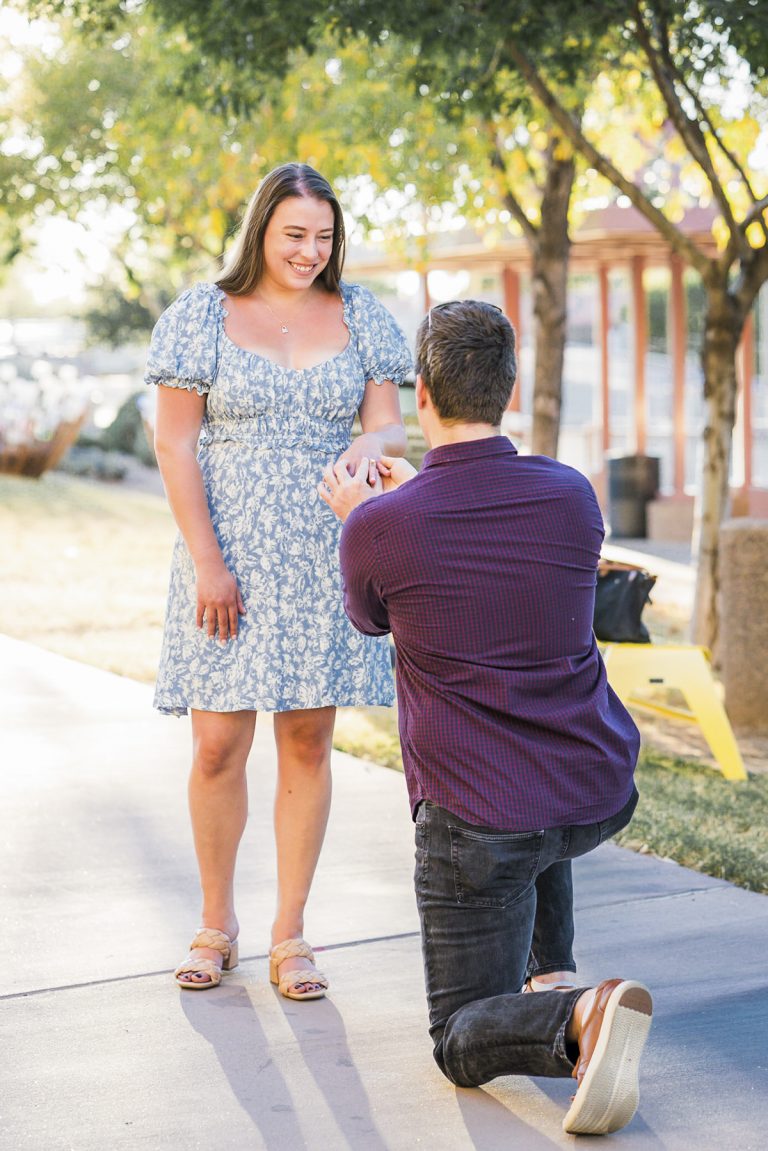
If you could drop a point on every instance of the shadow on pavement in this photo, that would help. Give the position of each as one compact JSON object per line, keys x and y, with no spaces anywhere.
{"x":257,"y":1065}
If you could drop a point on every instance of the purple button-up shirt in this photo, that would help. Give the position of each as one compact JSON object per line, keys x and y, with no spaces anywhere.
{"x":483,"y":567}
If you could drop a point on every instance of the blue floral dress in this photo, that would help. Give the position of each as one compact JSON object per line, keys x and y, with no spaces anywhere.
{"x":267,"y":434}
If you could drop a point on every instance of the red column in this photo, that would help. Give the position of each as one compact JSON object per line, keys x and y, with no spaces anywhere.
{"x":605,"y":367}
{"x":678,"y":326}
{"x":510,"y":285}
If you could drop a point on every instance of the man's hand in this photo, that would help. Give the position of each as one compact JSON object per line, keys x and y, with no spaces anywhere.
{"x":394,"y":471}
{"x":343,"y":492}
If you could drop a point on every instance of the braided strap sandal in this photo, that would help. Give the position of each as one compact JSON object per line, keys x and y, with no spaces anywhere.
{"x":217,"y":941}
{"x":291,"y":983}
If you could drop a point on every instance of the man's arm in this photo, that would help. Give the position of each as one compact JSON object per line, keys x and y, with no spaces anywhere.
{"x":363,"y":591}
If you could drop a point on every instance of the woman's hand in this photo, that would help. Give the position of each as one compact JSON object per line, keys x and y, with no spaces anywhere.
{"x":219,"y":603}
{"x":366,"y":447}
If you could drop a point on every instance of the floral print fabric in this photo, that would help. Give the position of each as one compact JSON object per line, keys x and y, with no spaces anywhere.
{"x":267,"y":434}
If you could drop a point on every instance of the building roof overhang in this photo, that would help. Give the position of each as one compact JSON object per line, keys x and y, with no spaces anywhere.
{"x":611,"y":236}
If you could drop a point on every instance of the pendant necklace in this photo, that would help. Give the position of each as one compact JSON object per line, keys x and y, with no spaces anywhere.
{"x":282,"y":323}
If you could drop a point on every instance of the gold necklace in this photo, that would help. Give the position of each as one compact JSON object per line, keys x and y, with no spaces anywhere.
{"x":282,"y":323}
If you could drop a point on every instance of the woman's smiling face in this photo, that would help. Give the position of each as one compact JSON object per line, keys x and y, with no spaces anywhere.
{"x":298,"y":241}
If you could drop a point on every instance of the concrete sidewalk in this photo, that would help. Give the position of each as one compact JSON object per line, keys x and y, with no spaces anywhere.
{"x":100,"y":1049}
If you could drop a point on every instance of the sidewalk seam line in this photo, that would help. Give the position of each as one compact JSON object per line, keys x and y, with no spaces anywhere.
{"x":168,"y":970}
{"x":718,"y":886}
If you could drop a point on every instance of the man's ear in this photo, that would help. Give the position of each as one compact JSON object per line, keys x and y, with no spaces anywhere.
{"x":421,"y":394}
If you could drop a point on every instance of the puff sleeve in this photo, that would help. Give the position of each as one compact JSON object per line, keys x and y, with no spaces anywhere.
{"x":381,"y":343}
{"x":183,"y":351}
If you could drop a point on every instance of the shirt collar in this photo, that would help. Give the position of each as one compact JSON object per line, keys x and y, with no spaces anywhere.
{"x":469,"y":450}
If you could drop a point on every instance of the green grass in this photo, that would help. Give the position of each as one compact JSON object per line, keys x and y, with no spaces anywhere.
{"x":693,"y":815}
{"x":84,"y":571}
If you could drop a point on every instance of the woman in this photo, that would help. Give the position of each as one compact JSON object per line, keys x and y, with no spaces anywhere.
{"x":267,"y":368}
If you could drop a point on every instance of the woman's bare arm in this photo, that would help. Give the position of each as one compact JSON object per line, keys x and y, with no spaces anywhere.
{"x":383,"y":430}
{"x":177,"y":428}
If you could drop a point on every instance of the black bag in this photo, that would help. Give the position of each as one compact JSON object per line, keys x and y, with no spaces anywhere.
{"x":620,"y":596}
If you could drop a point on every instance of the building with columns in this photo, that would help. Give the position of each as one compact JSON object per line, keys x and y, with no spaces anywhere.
{"x":632,"y":380}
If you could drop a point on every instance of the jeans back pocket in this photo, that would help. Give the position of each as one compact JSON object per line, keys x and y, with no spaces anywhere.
{"x":493,"y":868}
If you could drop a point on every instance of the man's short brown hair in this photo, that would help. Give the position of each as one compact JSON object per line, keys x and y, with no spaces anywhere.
{"x":465,"y":354}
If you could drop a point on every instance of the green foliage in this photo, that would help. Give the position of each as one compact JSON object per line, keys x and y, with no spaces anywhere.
{"x":657,"y":301}
{"x":251,"y":42}
{"x":89,"y":142}
{"x":457,"y":50}
{"x":86,"y":15}
{"x":127,"y":432}
{"x":117,"y":319}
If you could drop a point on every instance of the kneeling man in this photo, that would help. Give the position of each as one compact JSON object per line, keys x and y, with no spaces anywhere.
{"x":518,"y":756}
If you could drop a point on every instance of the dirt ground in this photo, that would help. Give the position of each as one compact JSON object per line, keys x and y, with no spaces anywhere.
{"x":684,"y":740}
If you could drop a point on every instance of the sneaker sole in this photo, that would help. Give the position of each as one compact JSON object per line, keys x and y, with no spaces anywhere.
{"x":609,"y":1092}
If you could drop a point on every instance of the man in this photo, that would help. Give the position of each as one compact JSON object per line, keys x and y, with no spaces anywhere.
{"x":518,"y":756}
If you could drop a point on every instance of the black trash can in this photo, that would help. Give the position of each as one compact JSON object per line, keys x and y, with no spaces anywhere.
{"x":632,"y":482}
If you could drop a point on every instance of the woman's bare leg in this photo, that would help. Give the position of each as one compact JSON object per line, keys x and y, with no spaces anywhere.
{"x":302,"y":803}
{"x":218,"y":805}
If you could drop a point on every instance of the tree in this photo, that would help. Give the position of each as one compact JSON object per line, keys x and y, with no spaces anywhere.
{"x":549,"y":243}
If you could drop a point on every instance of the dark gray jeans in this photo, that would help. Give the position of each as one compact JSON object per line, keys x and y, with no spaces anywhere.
{"x":477,"y":890}
{"x":553,"y":929}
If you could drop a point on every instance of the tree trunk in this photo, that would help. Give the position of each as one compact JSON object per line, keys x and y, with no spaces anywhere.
{"x":550,"y":251}
{"x":722,"y":330}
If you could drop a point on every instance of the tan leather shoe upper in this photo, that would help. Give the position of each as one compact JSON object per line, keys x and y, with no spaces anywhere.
{"x":591,"y":1023}
{"x":611,"y":1027}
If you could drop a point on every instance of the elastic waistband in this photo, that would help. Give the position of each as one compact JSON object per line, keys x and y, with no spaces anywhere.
{"x":264,"y":442}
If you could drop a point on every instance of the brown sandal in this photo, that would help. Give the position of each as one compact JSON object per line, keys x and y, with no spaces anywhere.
{"x":217,"y":941}
{"x":289,"y":984}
